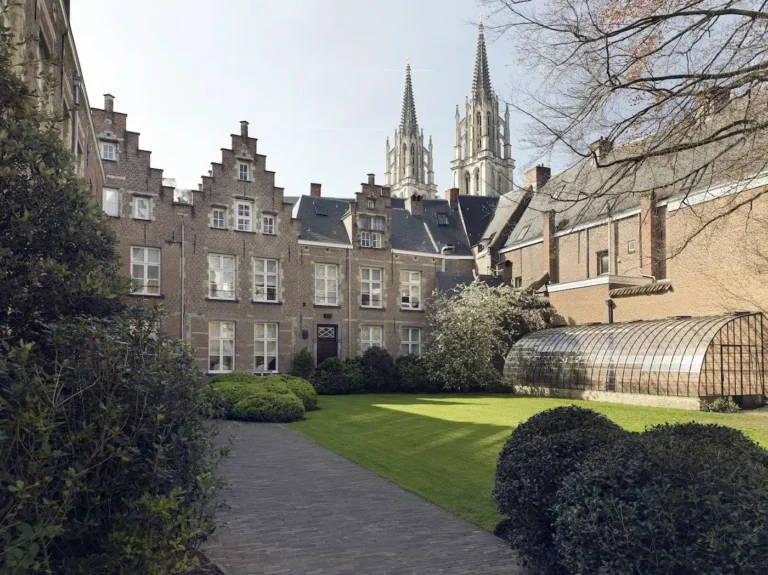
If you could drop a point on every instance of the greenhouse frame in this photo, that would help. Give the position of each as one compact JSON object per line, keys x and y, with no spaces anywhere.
{"x":704,"y":357}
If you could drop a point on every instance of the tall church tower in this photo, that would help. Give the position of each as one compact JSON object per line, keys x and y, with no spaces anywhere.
{"x":408,"y":169}
{"x":482,"y":163}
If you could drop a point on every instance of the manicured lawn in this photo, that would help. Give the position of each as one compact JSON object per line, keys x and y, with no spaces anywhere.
{"x":444,"y":447}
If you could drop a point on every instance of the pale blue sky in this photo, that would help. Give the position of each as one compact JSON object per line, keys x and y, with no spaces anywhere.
{"x":321,"y":82}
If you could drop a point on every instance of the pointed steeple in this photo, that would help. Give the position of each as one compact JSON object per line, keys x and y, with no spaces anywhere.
{"x":408,"y":122}
{"x":481,"y":84}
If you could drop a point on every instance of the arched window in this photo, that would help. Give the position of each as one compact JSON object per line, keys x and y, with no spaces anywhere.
{"x":466,"y":183}
{"x":403,"y":157}
{"x":477,"y":182}
{"x":478,"y":131}
{"x":413,"y":157}
{"x":500,"y":189}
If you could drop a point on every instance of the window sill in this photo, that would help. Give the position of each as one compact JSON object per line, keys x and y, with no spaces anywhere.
{"x":336,"y":305}
{"x":266,"y":302}
{"x":412,"y":309}
{"x":244,"y":231}
{"x":217,"y":372}
{"x":215,"y":228}
{"x":147,"y":295}
{"x":141,"y":219}
{"x":108,"y":160}
{"x":380,"y":308}
{"x":233,"y":300}
{"x":269,"y":233}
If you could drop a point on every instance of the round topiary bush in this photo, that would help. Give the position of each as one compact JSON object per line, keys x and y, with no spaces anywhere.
{"x":378,"y":370}
{"x":660,"y":503}
{"x":237,"y":377}
{"x":302,"y":389}
{"x":337,"y":377}
{"x":728,"y":438}
{"x":269,"y":407}
{"x":532,"y":466}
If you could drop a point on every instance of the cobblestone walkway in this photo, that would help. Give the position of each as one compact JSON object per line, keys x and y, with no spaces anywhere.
{"x":297,"y":508}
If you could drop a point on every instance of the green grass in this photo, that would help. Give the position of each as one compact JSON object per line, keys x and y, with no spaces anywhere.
{"x":444,"y":447}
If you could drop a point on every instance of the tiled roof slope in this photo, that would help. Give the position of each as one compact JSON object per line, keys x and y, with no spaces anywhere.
{"x":476,"y":212}
{"x":322,"y":228}
{"x":584,"y":192}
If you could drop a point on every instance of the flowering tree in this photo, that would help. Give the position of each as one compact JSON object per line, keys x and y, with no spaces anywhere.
{"x":473,"y":328}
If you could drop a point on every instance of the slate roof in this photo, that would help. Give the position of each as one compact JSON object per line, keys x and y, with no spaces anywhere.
{"x":500,"y":223}
{"x":449,"y":281}
{"x":322,"y":228}
{"x":452,"y":234}
{"x":585,"y":192}
{"x":290,"y":199}
{"x":476,"y":212}
{"x":409,"y":233}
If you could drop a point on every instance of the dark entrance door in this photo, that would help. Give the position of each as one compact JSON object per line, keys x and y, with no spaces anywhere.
{"x":327,"y":342}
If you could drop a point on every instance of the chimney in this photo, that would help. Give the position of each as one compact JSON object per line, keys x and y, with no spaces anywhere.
{"x":536,"y":177}
{"x":314,"y":190}
{"x":109,"y":102}
{"x":549,"y":249}
{"x":452,"y":196}
{"x":600,"y":148}
{"x":371,"y":179}
{"x":244,"y":129}
{"x":414,"y":205}
{"x":649,"y":233}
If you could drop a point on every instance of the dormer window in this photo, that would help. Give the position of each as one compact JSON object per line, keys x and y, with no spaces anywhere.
{"x":108,"y":151}
{"x":442,"y":219}
{"x":375,"y":223}
{"x":244,"y":173}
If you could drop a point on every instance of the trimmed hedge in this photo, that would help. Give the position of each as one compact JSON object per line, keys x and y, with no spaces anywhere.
{"x":338,"y":377}
{"x":237,"y":385}
{"x":378,"y":369}
{"x":413,"y":375}
{"x":269,"y":407}
{"x":540,"y":454}
{"x":665,"y":502}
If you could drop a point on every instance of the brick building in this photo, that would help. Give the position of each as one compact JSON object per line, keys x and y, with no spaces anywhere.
{"x":46,"y":57}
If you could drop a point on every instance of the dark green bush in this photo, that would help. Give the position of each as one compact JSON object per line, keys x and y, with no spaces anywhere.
{"x":337,"y":377}
{"x":537,"y":458}
{"x":303,"y":364}
{"x":719,"y":405}
{"x":269,"y":407}
{"x":413,"y":375}
{"x":378,"y":370}
{"x":719,"y":436}
{"x":664,"y":503}
{"x":238,"y":377}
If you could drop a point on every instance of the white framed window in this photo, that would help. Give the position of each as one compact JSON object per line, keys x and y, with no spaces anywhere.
{"x":631,"y":247}
{"x":370,"y":239}
{"x":141,"y":208}
{"x":442,"y":219}
{"x":219,"y":218}
{"x":244,"y":172}
{"x":410,"y":290}
{"x":371,"y":204}
{"x":603,"y":267}
{"x":244,"y":216}
{"x":326,"y":284}
{"x":522,"y":233}
{"x":268,"y":226}
{"x":265,"y":347}
{"x":518,"y":282}
{"x":145,"y":270}
{"x":108,"y":151}
{"x":265,"y":280}
{"x":221,"y":276}
{"x":370,"y":289}
{"x":374,"y":223}
{"x":410,"y":340}
{"x":111,"y":202}
{"x":371,"y":336}
{"x":221,"y":346}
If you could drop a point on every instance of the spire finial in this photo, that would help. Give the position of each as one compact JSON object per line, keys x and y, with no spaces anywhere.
{"x":480,"y":19}
{"x":408,"y":122}
{"x":481,"y":84}
{"x":408,"y":61}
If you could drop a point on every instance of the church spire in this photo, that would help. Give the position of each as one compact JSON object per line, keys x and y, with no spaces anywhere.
{"x":481,"y":84}
{"x":408,"y":123}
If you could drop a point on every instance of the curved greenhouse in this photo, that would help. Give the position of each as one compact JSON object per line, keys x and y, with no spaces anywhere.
{"x":683,"y":357}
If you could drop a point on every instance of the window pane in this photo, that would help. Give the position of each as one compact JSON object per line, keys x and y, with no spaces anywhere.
{"x":259,"y":331}
{"x":153,"y":272}
{"x":138,"y":272}
{"x":227,"y":329}
{"x":272,"y":266}
{"x":213,"y":363}
{"x":153,"y":256}
{"x":227,"y":363}
{"x":272,"y":330}
{"x":332,"y":271}
{"x":272,"y":366}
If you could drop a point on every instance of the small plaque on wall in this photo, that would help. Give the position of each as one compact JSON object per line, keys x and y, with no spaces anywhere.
{"x":327,"y":315}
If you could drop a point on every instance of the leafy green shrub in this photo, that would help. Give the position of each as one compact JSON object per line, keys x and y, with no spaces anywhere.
{"x":226,"y":389}
{"x":537,"y":458}
{"x":107,"y":460}
{"x":664,"y":503}
{"x":337,"y":377}
{"x":302,"y":389}
{"x":303,"y":364}
{"x":378,"y":370}
{"x":269,"y":407}
{"x":413,"y":375}
{"x":719,"y":405}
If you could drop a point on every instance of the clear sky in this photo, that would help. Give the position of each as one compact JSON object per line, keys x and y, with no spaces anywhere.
{"x":320,"y":81}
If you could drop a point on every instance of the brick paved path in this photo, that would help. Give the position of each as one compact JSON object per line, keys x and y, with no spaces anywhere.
{"x":298,"y":508}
